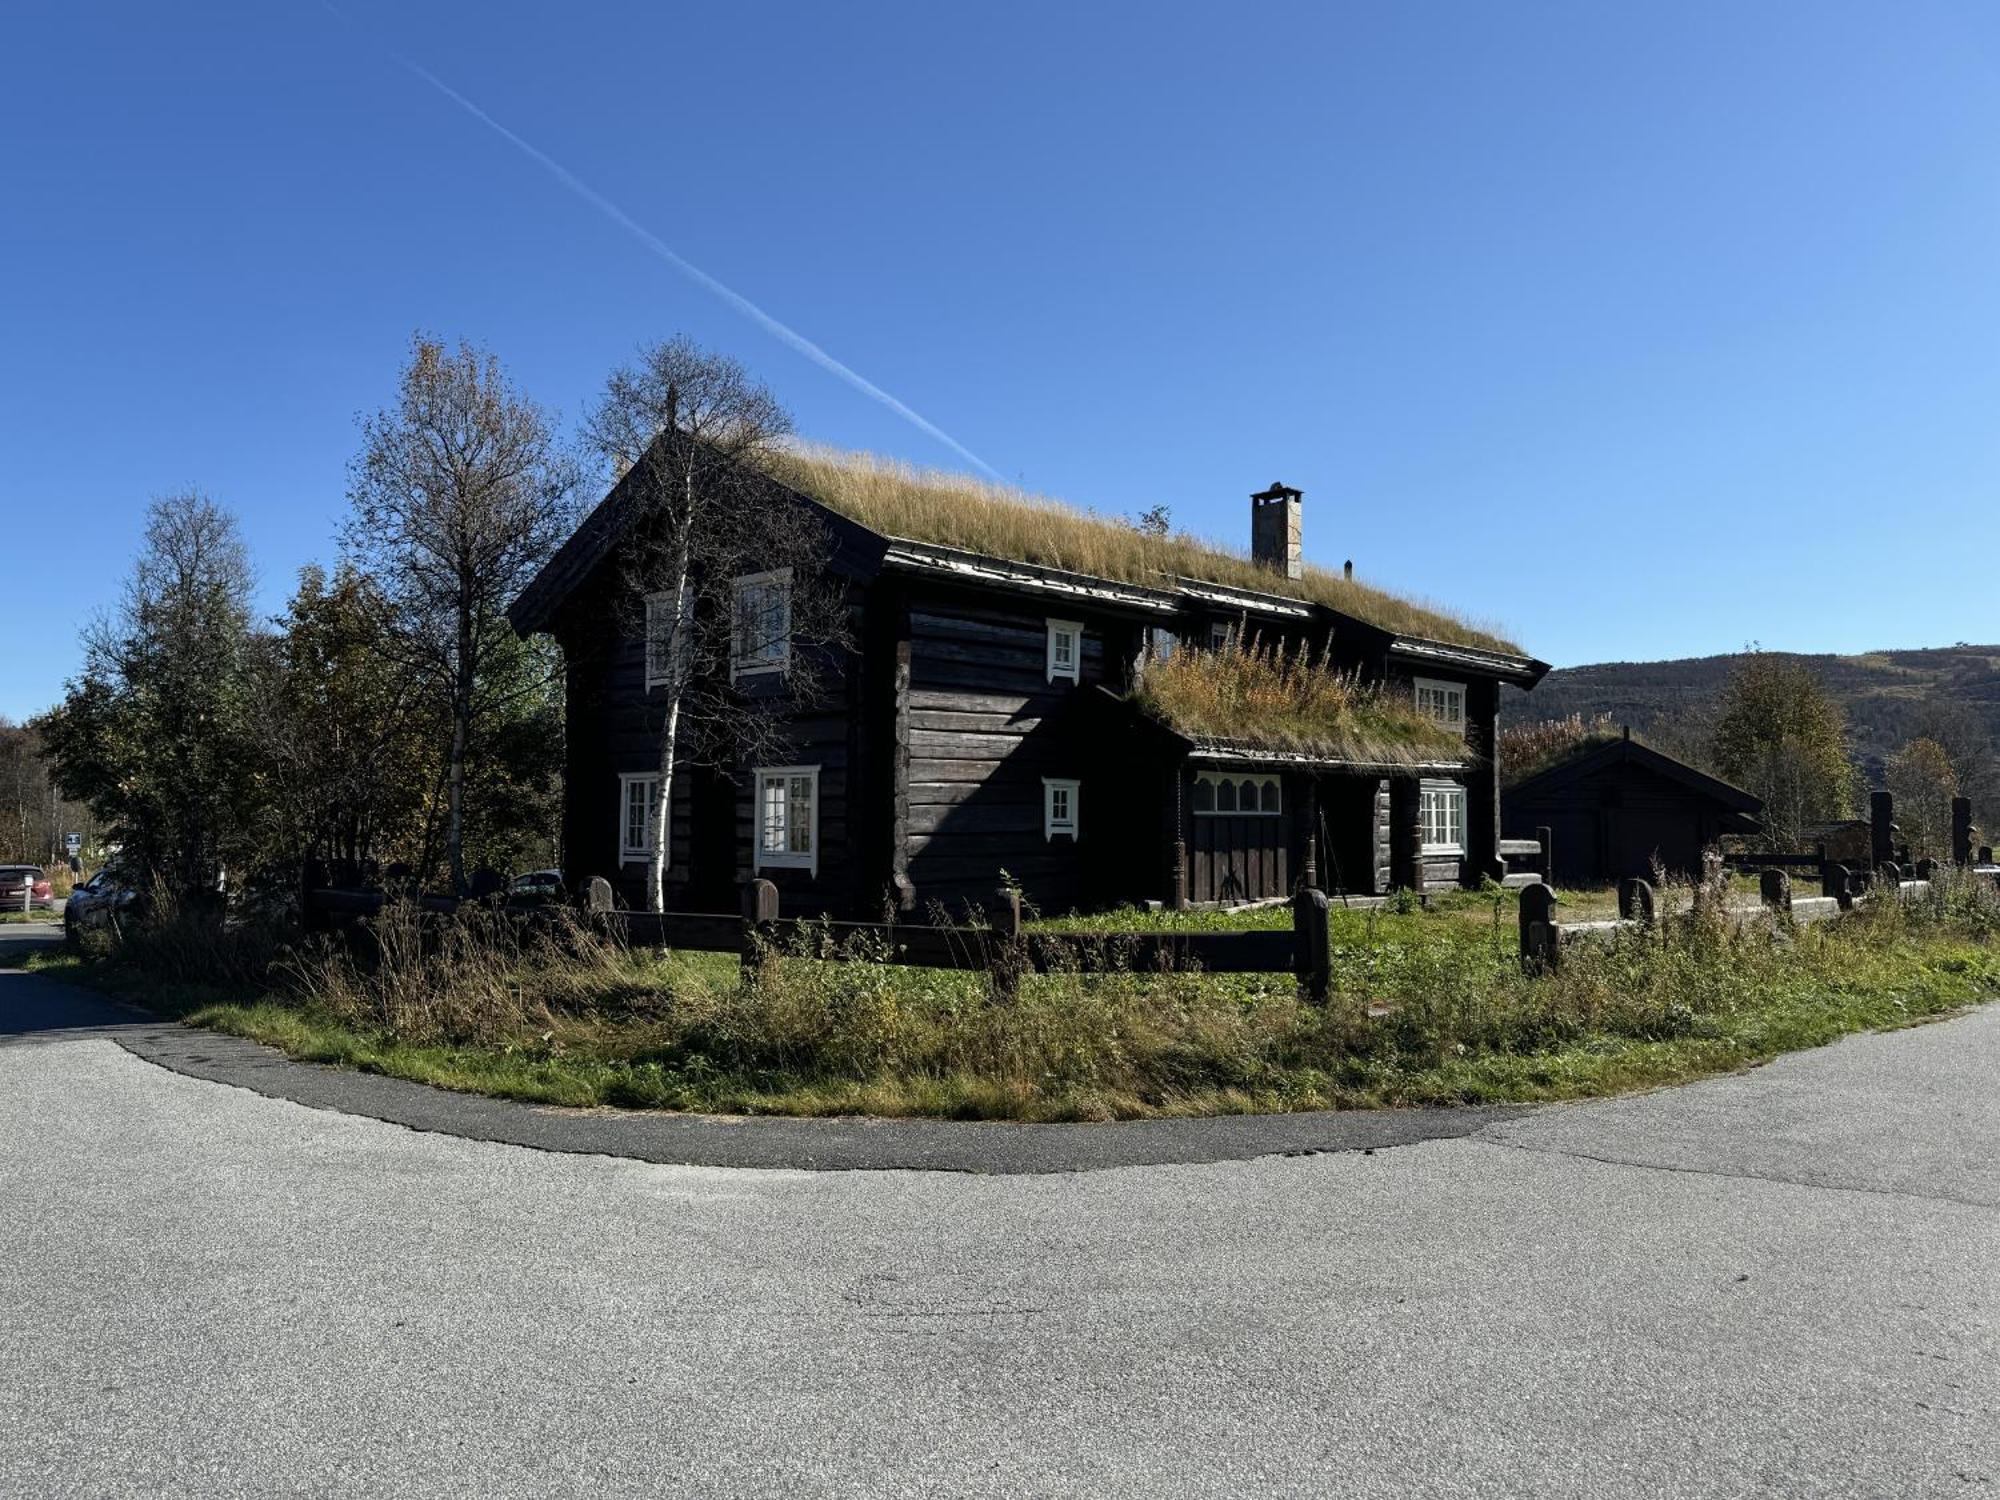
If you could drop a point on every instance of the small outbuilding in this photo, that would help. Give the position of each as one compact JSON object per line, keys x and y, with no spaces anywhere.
{"x":1615,"y":806}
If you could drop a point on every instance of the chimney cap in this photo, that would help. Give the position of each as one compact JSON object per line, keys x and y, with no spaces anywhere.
{"x":1278,"y":491}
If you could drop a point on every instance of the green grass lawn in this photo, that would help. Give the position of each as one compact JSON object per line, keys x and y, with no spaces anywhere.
{"x":1429,"y":1007}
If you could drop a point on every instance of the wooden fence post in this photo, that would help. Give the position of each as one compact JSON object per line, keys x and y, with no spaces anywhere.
{"x":1006,"y":913}
{"x":760,"y":911}
{"x":1312,"y":948}
{"x":1961,"y":830}
{"x":1545,"y":860}
{"x":1539,"y":938}
{"x":1006,"y":948}
{"x":1881,"y":829}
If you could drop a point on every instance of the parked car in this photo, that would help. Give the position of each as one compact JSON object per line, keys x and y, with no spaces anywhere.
{"x":105,"y":895}
{"x":536,"y":886}
{"x":31,"y":881}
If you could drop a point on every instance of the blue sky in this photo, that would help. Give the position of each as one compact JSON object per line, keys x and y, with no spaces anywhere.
{"x":1640,"y":331}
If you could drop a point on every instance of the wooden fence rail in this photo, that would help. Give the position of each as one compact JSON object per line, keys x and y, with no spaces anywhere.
{"x":1004,"y":949}
{"x":1542,"y":937}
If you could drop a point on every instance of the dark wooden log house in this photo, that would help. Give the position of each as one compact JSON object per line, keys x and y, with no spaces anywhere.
{"x":979,"y":724}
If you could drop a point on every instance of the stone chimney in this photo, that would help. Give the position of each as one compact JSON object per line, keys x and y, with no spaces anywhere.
{"x":1276,"y":533}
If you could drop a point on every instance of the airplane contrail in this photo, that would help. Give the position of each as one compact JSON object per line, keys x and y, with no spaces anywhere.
{"x":788,"y":336}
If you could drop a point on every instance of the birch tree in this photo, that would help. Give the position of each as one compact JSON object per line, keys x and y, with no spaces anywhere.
{"x":460,"y":493}
{"x":690,"y":428}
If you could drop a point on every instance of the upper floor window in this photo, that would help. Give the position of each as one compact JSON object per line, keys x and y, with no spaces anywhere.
{"x":638,"y":809}
{"x":1059,"y":799}
{"x":762,"y":638}
{"x":1065,"y":651}
{"x":1219,"y":792}
{"x":788,"y":818}
{"x":1443,"y":701}
{"x":1441,"y":815}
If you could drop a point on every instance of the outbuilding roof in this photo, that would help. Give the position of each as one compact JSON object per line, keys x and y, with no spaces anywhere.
{"x":1593,"y":757}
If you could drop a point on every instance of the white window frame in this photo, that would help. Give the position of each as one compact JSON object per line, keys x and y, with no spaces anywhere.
{"x":1073,"y":629}
{"x":784,"y":859}
{"x":1264,"y":779}
{"x":1072,"y":788}
{"x":1455,"y":793}
{"x":740,"y":664}
{"x":627,"y":851}
{"x":1451,"y":693}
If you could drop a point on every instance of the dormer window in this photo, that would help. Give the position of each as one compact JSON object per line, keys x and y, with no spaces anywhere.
{"x":1065,"y":651}
{"x":1443,"y":701}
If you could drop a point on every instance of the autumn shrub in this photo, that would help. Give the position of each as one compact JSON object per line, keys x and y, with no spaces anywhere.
{"x":191,"y":939}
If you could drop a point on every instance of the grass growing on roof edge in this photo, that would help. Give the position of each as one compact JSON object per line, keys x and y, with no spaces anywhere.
{"x":1289,"y":700}
{"x":957,"y":510}
{"x":1429,"y":1009}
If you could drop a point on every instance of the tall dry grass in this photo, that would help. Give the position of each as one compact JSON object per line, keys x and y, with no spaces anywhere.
{"x":1423,"y":1010}
{"x":1528,"y":748}
{"x":955,"y":510}
{"x":1290,"y":699}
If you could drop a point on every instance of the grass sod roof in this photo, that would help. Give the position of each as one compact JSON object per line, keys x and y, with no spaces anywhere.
{"x":1529,"y":753}
{"x":1527,"y":750}
{"x":956,"y":510}
{"x":1251,"y":698}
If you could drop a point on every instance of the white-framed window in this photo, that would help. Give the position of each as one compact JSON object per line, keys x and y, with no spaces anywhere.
{"x":761,"y":638}
{"x":1065,"y":650}
{"x":658,"y":629}
{"x":1227,"y":794}
{"x":788,"y":818}
{"x":1221,"y":634}
{"x":1059,"y":806}
{"x":638,"y":806}
{"x":1441,"y":817}
{"x":1443,"y":701}
{"x":1160,"y":643}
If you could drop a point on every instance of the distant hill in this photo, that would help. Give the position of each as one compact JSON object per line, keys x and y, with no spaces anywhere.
{"x":1889,"y":696}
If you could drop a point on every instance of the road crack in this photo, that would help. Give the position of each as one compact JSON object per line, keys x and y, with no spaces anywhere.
{"x":1895,"y":1194}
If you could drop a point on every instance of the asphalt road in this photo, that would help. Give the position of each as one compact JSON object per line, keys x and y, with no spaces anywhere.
{"x":1776,"y":1284}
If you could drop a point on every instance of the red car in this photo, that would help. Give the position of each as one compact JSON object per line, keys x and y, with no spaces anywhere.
{"x":28,"y":880}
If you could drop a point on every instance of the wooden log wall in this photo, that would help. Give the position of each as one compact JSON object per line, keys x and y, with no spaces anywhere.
{"x":984,"y":726}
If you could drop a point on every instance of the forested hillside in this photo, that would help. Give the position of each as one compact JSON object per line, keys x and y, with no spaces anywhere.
{"x":1948,"y":693}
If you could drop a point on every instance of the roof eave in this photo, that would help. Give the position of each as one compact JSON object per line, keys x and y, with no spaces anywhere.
{"x":936,"y":559}
{"x":1508,"y":666}
{"x":1224,"y":753}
